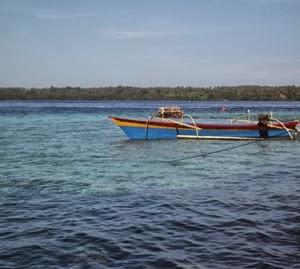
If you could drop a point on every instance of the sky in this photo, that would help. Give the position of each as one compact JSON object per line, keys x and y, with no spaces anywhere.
{"x":91,"y":43}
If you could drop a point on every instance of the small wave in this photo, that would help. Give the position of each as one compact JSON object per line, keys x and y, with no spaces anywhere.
{"x":163,"y":263}
{"x":242,"y":222}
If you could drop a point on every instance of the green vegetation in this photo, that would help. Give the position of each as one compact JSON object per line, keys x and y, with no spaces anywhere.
{"x":246,"y":92}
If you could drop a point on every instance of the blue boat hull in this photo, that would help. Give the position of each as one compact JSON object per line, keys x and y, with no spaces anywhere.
{"x":169,"y":133}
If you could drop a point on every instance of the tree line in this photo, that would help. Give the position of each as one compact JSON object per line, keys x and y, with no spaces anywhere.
{"x":237,"y":93}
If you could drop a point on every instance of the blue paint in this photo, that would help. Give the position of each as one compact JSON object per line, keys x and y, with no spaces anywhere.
{"x":168,"y":133}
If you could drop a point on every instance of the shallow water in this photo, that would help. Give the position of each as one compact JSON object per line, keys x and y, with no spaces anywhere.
{"x":75,"y":193}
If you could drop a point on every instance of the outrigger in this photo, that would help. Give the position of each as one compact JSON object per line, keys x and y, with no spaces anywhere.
{"x":169,"y":123}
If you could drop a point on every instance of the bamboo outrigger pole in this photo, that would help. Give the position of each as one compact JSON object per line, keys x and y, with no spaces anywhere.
{"x":284,"y":127}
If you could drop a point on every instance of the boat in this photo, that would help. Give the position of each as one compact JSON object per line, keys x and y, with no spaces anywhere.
{"x":170,"y":123}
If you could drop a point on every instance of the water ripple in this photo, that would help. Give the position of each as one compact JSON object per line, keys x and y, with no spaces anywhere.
{"x":75,"y":194}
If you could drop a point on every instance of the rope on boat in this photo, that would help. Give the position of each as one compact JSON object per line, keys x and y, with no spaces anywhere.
{"x":224,"y":149}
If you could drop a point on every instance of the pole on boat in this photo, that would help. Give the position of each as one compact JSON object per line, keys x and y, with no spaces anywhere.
{"x":284,"y":127}
{"x":180,"y":123}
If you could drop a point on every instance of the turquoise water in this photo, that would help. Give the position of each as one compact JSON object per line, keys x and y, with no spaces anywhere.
{"x":74,"y":192}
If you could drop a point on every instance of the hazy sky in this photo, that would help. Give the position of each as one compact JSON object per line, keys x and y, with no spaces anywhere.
{"x":149,"y":42}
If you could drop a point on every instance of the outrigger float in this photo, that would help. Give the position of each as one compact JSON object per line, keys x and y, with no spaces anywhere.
{"x":168,"y":123}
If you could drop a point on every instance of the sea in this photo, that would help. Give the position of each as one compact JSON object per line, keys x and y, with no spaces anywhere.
{"x":76,"y":193}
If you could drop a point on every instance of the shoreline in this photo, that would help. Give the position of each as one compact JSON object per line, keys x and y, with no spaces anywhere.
{"x":128,"y":93}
